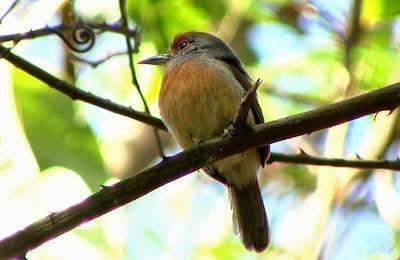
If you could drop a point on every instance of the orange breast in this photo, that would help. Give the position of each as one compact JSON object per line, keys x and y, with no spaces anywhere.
{"x":197,"y":100}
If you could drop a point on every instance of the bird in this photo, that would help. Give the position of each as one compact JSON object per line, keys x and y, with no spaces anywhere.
{"x":203,"y":83}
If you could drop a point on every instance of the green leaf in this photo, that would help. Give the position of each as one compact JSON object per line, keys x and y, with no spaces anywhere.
{"x":55,"y":134}
{"x":160,"y":20}
{"x":375,"y":9}
{"x":376,"y":60}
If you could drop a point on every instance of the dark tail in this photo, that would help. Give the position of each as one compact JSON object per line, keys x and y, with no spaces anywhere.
{"x":249,"y":216}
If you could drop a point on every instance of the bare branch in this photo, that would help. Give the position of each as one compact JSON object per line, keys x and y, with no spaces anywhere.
{"x":81,"y":35}
{"x":243,"y":108}
{"x":75,"y":93}
{"x":303,"y":158}
{"x":172,"y":168}
{"x":88,"y":29}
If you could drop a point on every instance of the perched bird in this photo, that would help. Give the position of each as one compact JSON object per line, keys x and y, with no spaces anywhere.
{"x":202,"y":86}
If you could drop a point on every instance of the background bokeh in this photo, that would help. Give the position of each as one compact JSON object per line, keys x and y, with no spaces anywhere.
{"x":55,"y":152}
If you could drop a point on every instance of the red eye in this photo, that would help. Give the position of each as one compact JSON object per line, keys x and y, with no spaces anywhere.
{"x":182,"y":45}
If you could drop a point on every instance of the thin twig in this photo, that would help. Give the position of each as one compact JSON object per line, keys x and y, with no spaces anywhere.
{"x":13,"y":5}
{"x":98,"y":27}
{"x":81,"y":35}
{"x":124,"y":19}
{"x":303,"y":158}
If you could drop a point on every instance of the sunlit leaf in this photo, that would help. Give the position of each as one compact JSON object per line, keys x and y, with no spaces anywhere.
{"x":56,"y":136}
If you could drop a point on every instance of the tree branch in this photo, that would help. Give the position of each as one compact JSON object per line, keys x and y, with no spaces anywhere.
{"x":109,"y":198}
{"x":242,"y":111}
{"x":99,"y":27}
{"x":75,"y":93}
{"x":303,"y":158}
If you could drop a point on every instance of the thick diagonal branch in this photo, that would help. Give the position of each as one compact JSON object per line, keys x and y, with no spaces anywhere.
{"x":170,"y":169}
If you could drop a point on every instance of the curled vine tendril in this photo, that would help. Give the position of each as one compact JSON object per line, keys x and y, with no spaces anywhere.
{"x":80,"y":35}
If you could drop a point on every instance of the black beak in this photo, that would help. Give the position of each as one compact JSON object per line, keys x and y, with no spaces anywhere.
{"x":156,"y":60}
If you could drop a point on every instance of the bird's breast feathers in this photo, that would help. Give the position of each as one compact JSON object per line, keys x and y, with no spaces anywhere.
{"x":196,"y":104}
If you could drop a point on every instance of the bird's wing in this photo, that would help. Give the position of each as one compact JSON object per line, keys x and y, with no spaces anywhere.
{"x":244,"y":79}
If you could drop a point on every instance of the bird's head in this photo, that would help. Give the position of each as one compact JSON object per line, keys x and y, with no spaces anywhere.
{"x":189,"y":44}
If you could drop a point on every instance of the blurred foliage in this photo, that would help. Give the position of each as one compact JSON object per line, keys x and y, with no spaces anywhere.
{"x":159,"y":23}
{"x":374,"y":59}
{"x":375,"y":9}
{"x":304,"y":182}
